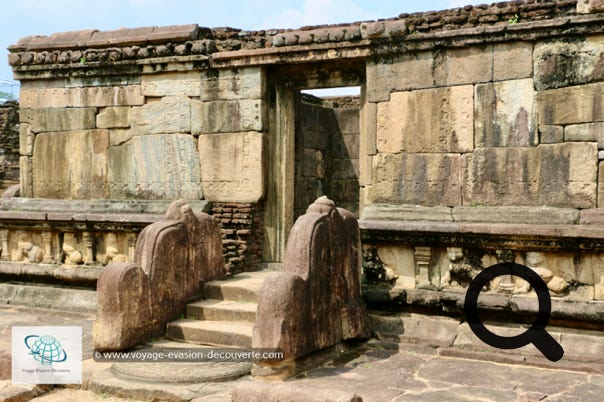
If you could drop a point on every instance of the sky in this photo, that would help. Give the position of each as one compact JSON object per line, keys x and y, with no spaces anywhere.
{"x":19,"y":18}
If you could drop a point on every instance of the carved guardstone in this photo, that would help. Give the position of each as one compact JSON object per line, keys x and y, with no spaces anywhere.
{"x":316,"y":303}
{"x":173,"y":259}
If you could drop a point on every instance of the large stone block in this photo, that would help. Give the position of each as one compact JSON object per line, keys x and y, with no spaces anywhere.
{"x":228,"y":116}
{"x":600,"y":184}
{"x":232,"y":166}
{"x":505,"y":114}
{"x":26,"y":176}
{"x":233,"y":84}
{"x":155,"y":166}
{"x":113,"y":117}
{"x":57,"y":119}
{"x":569,"y":62}
{"x":582,"y":104}
{"x":428,"y":120}
{"x":464,"y":66}
{"x":551,"y":134}
{"x":172,"y":114}
{"x":172,"y":84}
{"x":99,"y":96}
{"x":557,"y":175}
{"x":593,"y":132}
{"x":512,"y":61}
{"x":173,"y":259}
{"x":26,"y":139}
{"x":316,"y":303}
{"x":399,"y":73}
{"x":71,"y":164}
{"x":416,"y":179}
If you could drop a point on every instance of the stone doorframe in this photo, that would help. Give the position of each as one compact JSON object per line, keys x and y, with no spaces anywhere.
{"x":284,"y":84}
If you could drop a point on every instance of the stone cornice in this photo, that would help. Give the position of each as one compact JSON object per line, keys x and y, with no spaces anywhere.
{"x":130,"y":49}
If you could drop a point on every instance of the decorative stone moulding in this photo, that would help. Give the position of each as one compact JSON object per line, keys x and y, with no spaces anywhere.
{"x":71,"y":241}
{"x":563,"y":246}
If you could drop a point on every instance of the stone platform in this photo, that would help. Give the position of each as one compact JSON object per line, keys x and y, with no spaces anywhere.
{"x":458,"y":368}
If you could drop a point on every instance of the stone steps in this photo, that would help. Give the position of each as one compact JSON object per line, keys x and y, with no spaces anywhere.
{"x":222,"y":310}
{"x":221,"y":333}
{"x":242,"y":287}
{"x":225,"y":317}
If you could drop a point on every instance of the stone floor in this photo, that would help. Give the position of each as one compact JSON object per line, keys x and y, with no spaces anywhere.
{"x":378,"y":371}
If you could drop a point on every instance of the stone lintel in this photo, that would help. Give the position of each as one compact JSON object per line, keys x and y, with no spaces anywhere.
{"x":486,"y":235}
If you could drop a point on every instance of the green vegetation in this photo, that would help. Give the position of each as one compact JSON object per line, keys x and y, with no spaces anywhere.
{"x":7,"y":95}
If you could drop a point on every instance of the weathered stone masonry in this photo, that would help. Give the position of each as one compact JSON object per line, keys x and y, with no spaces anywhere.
{"x":9,"y":144}
{"x":479,"y":135}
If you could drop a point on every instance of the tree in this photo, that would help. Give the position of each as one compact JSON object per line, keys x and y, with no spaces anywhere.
{"x":6,"y":95}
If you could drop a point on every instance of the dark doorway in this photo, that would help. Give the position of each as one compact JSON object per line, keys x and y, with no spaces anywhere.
{"x":327,"y":149}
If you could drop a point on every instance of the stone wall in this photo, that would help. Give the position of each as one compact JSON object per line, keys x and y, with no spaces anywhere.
{"x":479,"y":133}
{"x":488,"y":138}
{"x":156,"y":136}
{"x":487,"y":127}
{"x":327,"y":144}
{"x":9,"y":144}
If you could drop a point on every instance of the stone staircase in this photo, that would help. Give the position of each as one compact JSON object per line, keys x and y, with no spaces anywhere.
{"x":225,"y":317}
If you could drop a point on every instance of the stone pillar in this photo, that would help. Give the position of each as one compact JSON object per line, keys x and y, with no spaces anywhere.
{"x":422,"y":267}
{"x":89,"y":244}
{"x":47,"y":244}
{"x":5,"y":256}
{"x":131,"y":237}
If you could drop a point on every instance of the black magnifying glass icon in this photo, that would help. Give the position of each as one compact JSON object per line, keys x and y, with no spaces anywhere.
{"x":536,"y":334}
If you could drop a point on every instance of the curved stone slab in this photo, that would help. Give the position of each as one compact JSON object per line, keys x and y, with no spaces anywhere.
{"x":173,"y":259}
{"x":317,"y":302}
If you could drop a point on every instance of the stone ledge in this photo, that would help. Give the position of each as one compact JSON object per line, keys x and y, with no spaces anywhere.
{"x":73,"y":275}
{"x":562,"y":231}
{"x":592,"y":216}
{"x":98,"y":207}
{"x":461,"y":37}
{"x":456,"y":27}
{"x":47,"y":296}
{"x":95,"y":38}
{"x":476,"y":214}
{"x":390,"y":212}
{"x":452,"y":302}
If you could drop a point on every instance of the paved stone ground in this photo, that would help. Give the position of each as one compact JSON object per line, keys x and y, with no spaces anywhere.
{"x":381,"y":371}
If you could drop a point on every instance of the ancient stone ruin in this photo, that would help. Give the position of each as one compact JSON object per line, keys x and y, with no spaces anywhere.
{"x":173,"y":259}
{"x":476,"y":139}
{"x":316,"y":302}
{"x":9,"y":144}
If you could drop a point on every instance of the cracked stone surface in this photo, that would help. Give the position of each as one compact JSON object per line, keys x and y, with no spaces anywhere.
{"x":416,"y":373}
{"x":381,"y":371}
